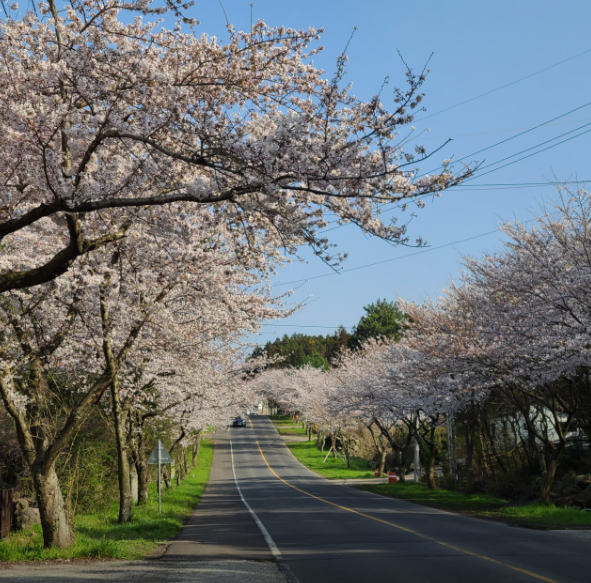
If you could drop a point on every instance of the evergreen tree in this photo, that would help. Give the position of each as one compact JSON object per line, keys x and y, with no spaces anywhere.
{"x":302,"y":349}
{"x":381,"y":320}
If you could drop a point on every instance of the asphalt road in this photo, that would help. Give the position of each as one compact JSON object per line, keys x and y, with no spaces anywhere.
{"x":325,"y":532}
{"x":313,"y":530}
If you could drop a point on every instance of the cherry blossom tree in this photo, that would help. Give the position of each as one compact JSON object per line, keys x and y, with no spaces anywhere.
{"x":102,"y":119}
{"x":517,"y":324}
{"x":37,"y":334}
{"x":537,"y":296}
{"x":193,"y":391}
{"x":111,"y":311}
{"x":179,"y":311}
{"x":363,"y":377}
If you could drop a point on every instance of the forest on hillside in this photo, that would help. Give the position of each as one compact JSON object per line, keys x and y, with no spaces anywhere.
{"x":382,"y":319}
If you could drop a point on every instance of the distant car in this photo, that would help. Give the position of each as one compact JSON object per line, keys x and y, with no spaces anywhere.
{"x":239,"y":422}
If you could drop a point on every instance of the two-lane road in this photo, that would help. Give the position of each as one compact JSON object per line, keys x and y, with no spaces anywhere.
{"x":326,"y":532}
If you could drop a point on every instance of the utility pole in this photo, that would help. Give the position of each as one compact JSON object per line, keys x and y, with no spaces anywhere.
{"x":451,"y":446}
{"x":417,"y":462}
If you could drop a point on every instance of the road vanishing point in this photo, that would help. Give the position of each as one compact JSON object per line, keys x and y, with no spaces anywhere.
{"x":320,"y":531}
{"x":270,"y":519}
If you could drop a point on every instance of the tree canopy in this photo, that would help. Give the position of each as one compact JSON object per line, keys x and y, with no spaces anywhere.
{"x":104,"y":120}
{"x":299,"y":350}
{"x":382,"y":319}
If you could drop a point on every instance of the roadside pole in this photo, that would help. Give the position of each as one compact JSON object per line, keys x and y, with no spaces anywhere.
{"x":417,"y":462}
{"x":160,"y":456}
{"x":159,"y":478}
{"x":451,"y":440}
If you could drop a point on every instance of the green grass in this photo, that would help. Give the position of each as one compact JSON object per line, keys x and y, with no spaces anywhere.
{"x":483,"y":505}
{"x":442,"y":499}
{"x":100,"y":536}
{"x":309,"y":455}
{"x":286,"y":425}
{"x":539,"y":514}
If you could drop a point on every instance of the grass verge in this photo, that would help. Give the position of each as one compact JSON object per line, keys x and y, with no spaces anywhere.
{"x":100,"y":536}
{"x":309,"y":455}
{"x":539,"y":515}
{"x":442,"y":499}
{"x":485,"y":506}
{"x":285,"y":425}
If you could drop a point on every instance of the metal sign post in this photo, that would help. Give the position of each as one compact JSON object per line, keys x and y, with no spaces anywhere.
{"x":159,"y":479}
{"x":160,"y":456}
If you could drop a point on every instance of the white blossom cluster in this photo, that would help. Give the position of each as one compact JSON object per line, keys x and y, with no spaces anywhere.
{"x":517,"y":324}
{"x":105,"y":119}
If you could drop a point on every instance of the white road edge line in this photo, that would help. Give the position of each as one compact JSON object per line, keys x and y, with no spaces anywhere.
{"x":268,"y":539}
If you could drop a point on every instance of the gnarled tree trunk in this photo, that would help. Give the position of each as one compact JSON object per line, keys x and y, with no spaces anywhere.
{"x":41,"y":452}
{"x":55,"y":521}
{"x":123,"y":469}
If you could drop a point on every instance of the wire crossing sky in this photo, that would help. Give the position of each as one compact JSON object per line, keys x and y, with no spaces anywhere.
{"x":507,"y":84}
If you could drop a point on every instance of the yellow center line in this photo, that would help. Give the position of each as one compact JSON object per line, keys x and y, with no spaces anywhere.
{"x":444,"y":544}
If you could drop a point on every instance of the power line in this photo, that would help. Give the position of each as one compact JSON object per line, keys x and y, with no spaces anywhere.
{"x":481,"y":188}
{"x":512,"y":185}
{"x":401,"y":204}
{"x":388,"y":260}
{"x":503,"y":131}
{"x":401,"y":257}
{"x":522,"y":133}
{"x":518,"y":135}
{"x":379,"y":263}
{"x":537,"y":146}
{"x":461,"y":240}
{"x":467,"y":181}
{"x":504,"y":86}
{"x":532,"y":154}
{"x":427,"y":250}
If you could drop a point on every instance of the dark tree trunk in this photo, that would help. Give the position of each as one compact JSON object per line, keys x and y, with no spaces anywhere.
{"x":55,"y":521}
{"x":469,"y":434}
{"x":139,"y":455}
{"x":123,"y":469}
{"x":402,"y":466}
{"x":346,"y":441}
{"x":382,"y":465}
{"x":166,"y":477}
{"x":431,"y":455}
{"x":378,"y":442}
{"x":195,"y":452}
{"x":141,"y":466}
{"x":548,"y":477}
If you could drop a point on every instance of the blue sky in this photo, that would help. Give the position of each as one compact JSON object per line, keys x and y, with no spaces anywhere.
{"x":477,"y":47}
